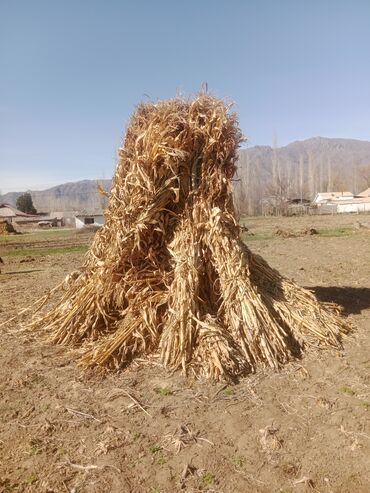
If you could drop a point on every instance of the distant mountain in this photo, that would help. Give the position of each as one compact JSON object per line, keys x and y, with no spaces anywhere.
{"x":73,"y":196}
{"x":299,"y":169}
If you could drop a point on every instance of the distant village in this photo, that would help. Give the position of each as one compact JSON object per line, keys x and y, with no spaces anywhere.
{"x":70,"y":219}
{"x":324,"y":203}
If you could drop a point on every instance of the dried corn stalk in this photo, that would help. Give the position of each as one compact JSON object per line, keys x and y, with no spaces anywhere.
{"x":168,"y":275}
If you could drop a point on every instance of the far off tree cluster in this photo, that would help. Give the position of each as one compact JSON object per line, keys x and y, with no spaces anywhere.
{"x":25,"y":204}
{"x":271,"y":176}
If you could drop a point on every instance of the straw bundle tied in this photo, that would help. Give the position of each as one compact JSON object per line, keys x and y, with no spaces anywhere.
{"x":168,"y":274}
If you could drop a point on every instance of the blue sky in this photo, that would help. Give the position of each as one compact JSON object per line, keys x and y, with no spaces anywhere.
{"x":72,"y":71}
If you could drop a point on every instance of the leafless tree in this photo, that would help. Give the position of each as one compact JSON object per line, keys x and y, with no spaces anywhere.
{"x":364,"y":172}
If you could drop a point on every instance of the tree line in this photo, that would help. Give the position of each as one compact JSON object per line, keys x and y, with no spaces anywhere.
{"x":257,"y":185}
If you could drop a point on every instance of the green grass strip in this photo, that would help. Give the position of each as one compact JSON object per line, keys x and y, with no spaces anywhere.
{"x":335,"y":232}
{"x":42,"y":252}
{"x":38,"y":235}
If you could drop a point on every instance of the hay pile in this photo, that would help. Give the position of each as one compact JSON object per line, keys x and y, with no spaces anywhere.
{"x":285,"y":233}
{"x":288,"y":233}
{"x":6,"y":228}
{"x":168,"y":275}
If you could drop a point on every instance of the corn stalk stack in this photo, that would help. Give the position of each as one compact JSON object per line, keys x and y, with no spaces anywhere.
{"x":168,"y":275}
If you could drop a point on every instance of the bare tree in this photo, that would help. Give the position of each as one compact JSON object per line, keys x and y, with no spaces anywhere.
{"x":339,"y":182}
{"x":354,"y":180}
{"x":301,"y":176}
{"x":312,"y":176}
{"x":330,"y":176}
{"x":364,"y":173}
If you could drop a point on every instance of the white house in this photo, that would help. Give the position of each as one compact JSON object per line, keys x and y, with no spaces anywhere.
{"x":327,"y":197}
{"x":365,"y":193}
{"x":83,"y":220}
{"x":64,"y":218}
{"x":354,"y":205}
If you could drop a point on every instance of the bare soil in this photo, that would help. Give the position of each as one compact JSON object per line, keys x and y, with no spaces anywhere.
{"x":305,"y":428}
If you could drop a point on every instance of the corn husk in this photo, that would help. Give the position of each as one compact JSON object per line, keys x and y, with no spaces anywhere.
{"x":168,"y":276}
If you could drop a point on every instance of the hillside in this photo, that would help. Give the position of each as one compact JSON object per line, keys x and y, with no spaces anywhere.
{"x":80,"y":195}
{"x":299,"y":169}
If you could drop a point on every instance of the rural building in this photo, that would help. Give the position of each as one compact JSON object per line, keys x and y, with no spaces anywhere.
{"x":365,"y":193}
{"x":356,"y":205}
{"x":273,"y":206}
{"x":342,"y":202}
{"x":297,"y":206}
{"x":64,"y":218}
{"x":11,"y":214}
{"x":327,"y":197}
{"x":83,"y":220}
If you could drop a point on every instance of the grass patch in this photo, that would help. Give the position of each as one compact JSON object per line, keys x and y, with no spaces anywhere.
{"x":38,"y":235}
{"x":229,"y":391}
{"x":345,"y":389}
{"x":42,"y":252}
{"x":207,"y":479}
{"x":157,"y":451}
{"x":163,"y":391}
{"x":154,"y":449}
{"x":238,"y":461}
{"x":335,"y":232}
{"x":161,"y":460}
{"x":324,"y":232}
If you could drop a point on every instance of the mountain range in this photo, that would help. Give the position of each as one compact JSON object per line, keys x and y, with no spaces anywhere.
{"x":299,"y":169}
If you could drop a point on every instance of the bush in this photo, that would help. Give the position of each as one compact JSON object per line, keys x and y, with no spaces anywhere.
{"x":25,"y":204}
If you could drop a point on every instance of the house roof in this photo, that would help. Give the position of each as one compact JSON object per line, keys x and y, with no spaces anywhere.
{"x":8,"y":210}
{"x":86,"y":214}
{"x":334,"y":195}
{"x":365,"y":193}
{"x":298,"y":201}
{"x":355,"y":200}
{"x":63,"y":214}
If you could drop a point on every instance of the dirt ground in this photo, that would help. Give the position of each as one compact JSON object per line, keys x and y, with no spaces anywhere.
{"x":305,"y":428}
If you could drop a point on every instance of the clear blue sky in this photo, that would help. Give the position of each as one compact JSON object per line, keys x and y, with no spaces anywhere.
{"x":72,"y":71}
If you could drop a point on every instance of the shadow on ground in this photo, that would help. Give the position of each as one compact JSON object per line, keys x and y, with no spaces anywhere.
{"x":353,"y":300}
{"x":15,"y":272}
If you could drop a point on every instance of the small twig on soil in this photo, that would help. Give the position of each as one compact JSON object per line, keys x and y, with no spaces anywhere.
{"x":305,"y":480}
{"x":66,"y":487}
{"x":219,"y":391}
{"x":188,"y":469}
{"x":82,"y":415}
{"x":135,"y":401}
{"x":353,"y":433}
{"x":248,"y":476}
{"x":205,"y":440}
{"x":182,"y":437}
{"x":28,"y":412}
{"x":89,"y":467}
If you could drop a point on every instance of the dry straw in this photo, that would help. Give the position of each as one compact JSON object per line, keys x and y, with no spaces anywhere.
{"x":168,"y":275}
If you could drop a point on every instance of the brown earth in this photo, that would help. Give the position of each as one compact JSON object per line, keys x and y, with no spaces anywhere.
{"x":305,"y":428}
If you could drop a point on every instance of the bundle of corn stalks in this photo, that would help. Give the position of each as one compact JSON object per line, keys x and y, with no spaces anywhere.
{"x":6,"y":228}
{"x":168,"y":275}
